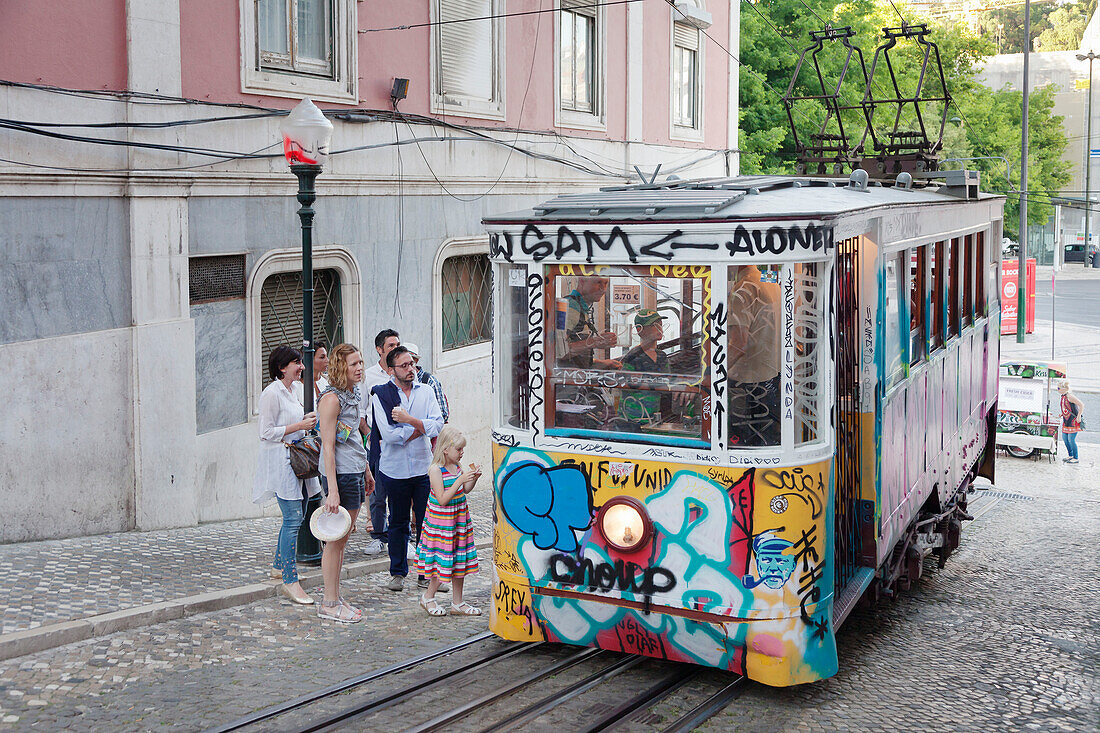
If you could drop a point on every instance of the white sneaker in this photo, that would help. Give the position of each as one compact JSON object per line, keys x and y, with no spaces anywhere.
{"x":374,"y":547}
{"x":413,"y":552}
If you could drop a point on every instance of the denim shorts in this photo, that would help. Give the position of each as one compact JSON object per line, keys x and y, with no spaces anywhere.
{"x":352,"y":488}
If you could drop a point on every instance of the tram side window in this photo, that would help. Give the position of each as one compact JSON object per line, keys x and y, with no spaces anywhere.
{"x":894,"y":344}
{"x":937,"y":254}
{"x":968,"y":280}
{"x":981,"y":307}
{"x":754,"y":355}
{"x":809,"y":345}
{"x":953,"y":288}
{"x":630,"y":361}
{"x":917,"y":266}
{"x":515,"y":396}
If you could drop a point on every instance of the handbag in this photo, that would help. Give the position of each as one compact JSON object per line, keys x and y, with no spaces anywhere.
{"x":305,"y":455}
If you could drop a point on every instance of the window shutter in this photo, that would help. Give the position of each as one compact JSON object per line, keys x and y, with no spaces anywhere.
{"x":685,"y":36}
{"x":584,"y":7}
{"x":466,"y":49}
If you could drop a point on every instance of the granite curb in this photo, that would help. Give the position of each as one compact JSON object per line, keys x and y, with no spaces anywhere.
{"x":30,"y":641}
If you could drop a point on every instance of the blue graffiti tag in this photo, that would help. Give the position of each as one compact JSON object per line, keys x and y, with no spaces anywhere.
{"x":547,"y":503}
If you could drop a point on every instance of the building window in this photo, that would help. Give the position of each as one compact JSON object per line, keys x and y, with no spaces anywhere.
{"x":579,"y":60}
{"x":281,"y":312}
{"x":685,"y":76}
{"x":467,"y":301}
{"x":217,"y":277}
{"x":467,"y":68}
{"x":300,"y":48}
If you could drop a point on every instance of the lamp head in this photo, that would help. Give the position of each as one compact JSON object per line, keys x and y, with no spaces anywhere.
{"x":306,"y":135}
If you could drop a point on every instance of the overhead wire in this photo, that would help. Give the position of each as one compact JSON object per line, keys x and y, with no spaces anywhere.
{"x":496,"y":16}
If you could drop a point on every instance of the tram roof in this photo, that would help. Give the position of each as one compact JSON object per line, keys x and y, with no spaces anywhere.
{"x":743,"y":197}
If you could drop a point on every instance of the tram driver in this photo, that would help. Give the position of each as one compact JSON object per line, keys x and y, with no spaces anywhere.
{"x":643,"y":407}
{"x":754,"y":358}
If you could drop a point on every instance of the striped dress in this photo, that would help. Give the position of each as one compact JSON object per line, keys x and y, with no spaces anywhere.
{"x":446,"y":549}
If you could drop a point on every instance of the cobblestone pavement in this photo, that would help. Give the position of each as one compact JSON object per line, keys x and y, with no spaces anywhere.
{"x":1003,"y":638}
{"x":62,"y":580}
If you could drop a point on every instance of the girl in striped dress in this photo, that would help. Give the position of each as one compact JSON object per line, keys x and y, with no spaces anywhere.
{"x":446,"y":550}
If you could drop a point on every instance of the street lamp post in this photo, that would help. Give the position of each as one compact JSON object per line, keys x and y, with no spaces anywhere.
{"x":306,"y":135}
{"x":1090,"y":57}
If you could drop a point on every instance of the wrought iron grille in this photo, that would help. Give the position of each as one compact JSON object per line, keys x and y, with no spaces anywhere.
{"x":215,"y":278}
{"x":846,"y":530}
{"x":467,"y":301}
{"x":281,"y":312}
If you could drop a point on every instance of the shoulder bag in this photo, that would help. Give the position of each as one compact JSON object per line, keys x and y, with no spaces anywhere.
{"x":305,"y":454}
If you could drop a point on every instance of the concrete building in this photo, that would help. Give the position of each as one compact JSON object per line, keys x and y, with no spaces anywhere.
{"x":150,"y":242}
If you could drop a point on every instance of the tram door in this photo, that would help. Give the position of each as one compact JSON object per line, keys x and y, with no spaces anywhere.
{"x":848,"y":405}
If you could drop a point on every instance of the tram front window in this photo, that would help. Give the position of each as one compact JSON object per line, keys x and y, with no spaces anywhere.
{"x":629,"y":354}
{"x":754,"y":337}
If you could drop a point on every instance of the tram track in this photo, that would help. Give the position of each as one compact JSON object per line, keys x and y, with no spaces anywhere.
{"x":485,"y":692}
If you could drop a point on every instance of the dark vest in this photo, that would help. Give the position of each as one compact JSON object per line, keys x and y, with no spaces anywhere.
{"x":389,"y":397}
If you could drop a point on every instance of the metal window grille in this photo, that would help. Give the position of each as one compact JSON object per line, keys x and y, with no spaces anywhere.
{"x":281,"y":312}
{"x":215,"y":278}
{"x":467,"y":301}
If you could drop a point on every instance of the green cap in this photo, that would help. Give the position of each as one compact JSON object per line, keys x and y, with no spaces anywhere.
{"x":647,"y":317}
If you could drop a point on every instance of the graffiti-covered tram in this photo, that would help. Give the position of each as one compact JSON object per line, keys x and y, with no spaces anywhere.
{"x":726,"y":410}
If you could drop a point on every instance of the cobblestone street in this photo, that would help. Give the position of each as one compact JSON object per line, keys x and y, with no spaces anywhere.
{"x":1001,"y":639}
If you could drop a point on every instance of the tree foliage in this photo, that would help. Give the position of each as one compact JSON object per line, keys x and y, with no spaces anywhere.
{"x":984,"y":123}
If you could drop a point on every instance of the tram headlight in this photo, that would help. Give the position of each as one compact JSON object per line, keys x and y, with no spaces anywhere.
{"x":624,"y":523}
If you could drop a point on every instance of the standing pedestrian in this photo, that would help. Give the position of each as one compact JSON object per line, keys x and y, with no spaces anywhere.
{"x":282,"y":421}
{"x":376,"y":374}
{"x":346,"y":475}
{"x":1072,"y":412}
{"x":446,"y":545}
{"x":320,"y":367}
{"x":425,"y":377}
{"x":406,"y":417}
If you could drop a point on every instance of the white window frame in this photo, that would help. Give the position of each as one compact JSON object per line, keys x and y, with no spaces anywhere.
{"x":290,"y":260}
{"x":462,"y":105}
{"x":597,"y":119}
{"x":689,"y":13}
{"x":456,"y":247}
{"x":343,"y":87}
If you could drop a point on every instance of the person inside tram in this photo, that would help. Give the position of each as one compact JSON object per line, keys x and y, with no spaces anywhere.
{"x":578,"y":336}
{"x":754,"y":358}
{"x":645,"y":407}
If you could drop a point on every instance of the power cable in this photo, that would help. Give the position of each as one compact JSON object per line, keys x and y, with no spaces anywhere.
{"x":494,"y":17}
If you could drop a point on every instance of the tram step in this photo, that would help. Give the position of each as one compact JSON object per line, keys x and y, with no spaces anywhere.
{"x":846,"y":601}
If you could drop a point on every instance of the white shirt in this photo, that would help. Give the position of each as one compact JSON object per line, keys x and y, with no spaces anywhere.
{"x":373,"y":376}
{"x":401,"y":459}
{"x":274,"y":476}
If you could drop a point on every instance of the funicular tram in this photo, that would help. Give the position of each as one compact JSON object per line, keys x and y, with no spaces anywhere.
{"x":725,"y":410}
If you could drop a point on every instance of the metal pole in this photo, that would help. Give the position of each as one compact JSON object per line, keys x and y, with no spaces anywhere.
{"x":1021,"y":277}
{"x":1088,"y":162}
{"x":309,"y":548}
{"x":307,"y":194}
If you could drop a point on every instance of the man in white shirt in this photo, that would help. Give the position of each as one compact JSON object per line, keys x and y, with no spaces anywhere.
{"x":374,"y":375}
{"x":406,"y":417}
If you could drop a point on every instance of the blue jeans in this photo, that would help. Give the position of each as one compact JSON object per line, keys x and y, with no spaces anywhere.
{"x":1070,"y":439}
{"x":287,"y":547}
{"x":400,"y":494}
{"x":377,"y":509}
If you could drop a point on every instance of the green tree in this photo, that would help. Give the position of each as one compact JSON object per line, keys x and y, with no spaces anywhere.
{"x":1067,"y":25}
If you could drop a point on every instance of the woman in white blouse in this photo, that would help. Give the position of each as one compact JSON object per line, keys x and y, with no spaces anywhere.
{"x":281,"y":420}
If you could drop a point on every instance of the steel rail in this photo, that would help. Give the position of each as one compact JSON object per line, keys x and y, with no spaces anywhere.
{"x":469,"y":707}
{"x":646,"y":698}
{"x":271,"y":712}
{"x":551,"y":701}
{"x":707,"y":709}
{"x":336,"y":721}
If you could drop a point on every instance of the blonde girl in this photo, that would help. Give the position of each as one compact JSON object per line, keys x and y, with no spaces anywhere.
{"x":447,"y":551}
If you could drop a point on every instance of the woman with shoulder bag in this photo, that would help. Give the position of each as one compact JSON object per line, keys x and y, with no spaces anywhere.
{"x":282,"y":421}
{"x":1073,"y":410}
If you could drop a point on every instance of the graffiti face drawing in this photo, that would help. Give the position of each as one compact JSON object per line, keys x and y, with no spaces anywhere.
{"x":772,"y":565}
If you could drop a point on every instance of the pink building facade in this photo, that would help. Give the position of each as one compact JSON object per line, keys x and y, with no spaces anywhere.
{"x":149,"y":222}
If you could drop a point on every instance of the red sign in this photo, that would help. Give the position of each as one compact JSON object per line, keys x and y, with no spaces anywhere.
{"x":1010,"y":296}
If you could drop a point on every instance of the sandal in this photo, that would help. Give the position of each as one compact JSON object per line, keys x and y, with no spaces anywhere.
{"x":341,"y":614}
{"x":355,"y":611}
{"x":465,"y":609}
{"x":431,"y":605}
